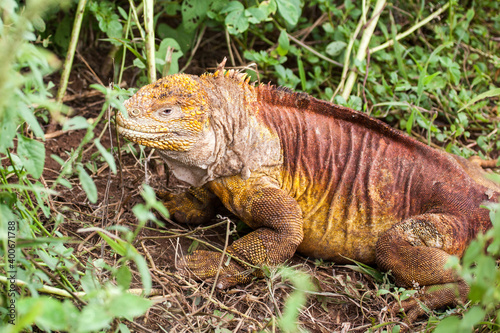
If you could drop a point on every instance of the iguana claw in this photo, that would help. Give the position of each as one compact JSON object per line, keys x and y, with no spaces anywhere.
{"x":205,"y":264}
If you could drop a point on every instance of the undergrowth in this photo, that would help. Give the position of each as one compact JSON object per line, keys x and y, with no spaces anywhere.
{"x":428,"y":68}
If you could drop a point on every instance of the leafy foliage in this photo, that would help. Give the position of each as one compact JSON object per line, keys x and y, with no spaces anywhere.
{"x":34,"y":254}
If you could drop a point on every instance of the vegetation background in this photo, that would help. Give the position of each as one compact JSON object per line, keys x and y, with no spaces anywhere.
{"x":74,"y":228}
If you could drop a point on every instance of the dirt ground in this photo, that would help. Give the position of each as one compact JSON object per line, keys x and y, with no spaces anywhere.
{"x":345,"y":300}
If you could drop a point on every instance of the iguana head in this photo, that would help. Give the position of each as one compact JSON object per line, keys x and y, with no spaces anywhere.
{"x":173,"y":116}
{"x":169,"y":114}
{"x":204,"y":127}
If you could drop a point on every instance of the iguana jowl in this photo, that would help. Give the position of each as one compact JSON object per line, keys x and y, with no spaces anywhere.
{"x":312,"y":177}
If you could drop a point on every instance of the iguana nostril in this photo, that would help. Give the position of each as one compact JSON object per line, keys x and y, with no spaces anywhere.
{"x":134,"y":112}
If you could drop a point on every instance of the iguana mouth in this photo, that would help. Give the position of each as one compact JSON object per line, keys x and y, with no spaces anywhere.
{"x":130,"y":133}
{"x":128,"y":127}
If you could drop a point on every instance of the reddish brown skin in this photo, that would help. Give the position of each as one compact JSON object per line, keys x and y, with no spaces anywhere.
{"x":343,"y":186}
{"x":360,"y":151}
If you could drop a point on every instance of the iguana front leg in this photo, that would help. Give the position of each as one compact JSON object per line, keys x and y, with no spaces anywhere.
{"x":416,"y":251}
{"x":196,"y":206}
{"x":277,"y":220}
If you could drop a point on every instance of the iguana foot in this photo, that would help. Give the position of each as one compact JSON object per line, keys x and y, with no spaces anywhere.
{"x":192,"y":207}
{"x":205,"y":264}
{"x":431,"y":297}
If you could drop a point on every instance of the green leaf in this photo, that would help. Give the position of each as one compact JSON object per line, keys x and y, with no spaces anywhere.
{"x":75,"y":123}
{"x":448,"y":325}
{"x":107,"y":155}
{"x":489,"y":93}
{"x":118,"y":245}
{"x":88,"y":184}
{"x":283,"y":43}
{"x":296,"y":300}
{"x":171,"y":65}
{"x":236,"y":21}
{"x":143,"y":269}
{"x":29,"y":117}
{"x":129,"y":306}
{"x":256,"y":15}
{"x":8,"y":125}
{"x":471,"y":318}
{"x":124,"y":277}
{"x":194,"y":12}
{"x":32,"y":155}
{"x":51,"y":314}
{"x":409,"y":123}
{"x":94,"y":317}
{"x":290,"y":10}
{"x":334,"y":48}
{"x":423,"y":74}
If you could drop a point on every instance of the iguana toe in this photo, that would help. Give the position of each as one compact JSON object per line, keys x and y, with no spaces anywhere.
{"x":203,"y":265}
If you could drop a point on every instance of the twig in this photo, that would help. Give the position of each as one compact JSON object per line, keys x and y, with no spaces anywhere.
{"x":313,"y":51}
{"x":223,"y":255}
{"x":68,"y":63}
{"x":195,"y":48}
{"x":45,"y":289}
{"x":412,"y":29}
{"x":363,"y":47}
{"x":347,"y":58}
{"x":150,"y":39}
{"x":96,"y":77}
{"x":228,"y":41}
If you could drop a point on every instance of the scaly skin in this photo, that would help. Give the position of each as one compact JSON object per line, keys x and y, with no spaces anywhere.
{"x":312,"y":177}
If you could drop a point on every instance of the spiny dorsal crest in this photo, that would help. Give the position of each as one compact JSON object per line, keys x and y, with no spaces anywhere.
{"x":221,"y":73}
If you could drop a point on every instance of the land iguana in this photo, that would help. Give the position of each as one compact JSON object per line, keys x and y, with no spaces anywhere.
{"x":310,"y":176}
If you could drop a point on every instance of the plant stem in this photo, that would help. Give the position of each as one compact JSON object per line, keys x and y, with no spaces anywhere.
{"x":313,"y":51}
{"x":150,"y":38}
{"x":363,"y":47}
{"x":347,"y":59}
{"x":412,"y":29}
{"x":68,"y":63}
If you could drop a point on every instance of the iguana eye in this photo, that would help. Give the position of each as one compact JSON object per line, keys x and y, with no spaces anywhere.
{"x":165,"y":112}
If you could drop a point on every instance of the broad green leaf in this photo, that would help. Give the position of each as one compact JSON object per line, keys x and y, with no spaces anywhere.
{"x":107,"y":155}
{"x":236,"y":21}
{"x":94,"y":317}
{"x":194,"y":12}
{"x":8,"y":125}
{"x":50,"y":313}
{"x":128,"y":306}
{"x":471,"y":318}
{"x":171,"y":65}
{"x":283,"y":43}
{"x":29,"y":117}
{"x":75,"y":123}
{"x":32,"y":155}
{"x":124,"y":277}
{"x":448,"y":325}
{"x":290,"y":10}
{"x":256,"y":15}
{"x":334,"y":48}
{"x":88,"y":184}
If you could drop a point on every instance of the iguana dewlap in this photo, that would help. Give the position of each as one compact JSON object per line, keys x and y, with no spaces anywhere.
{"x":309,"y":176}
